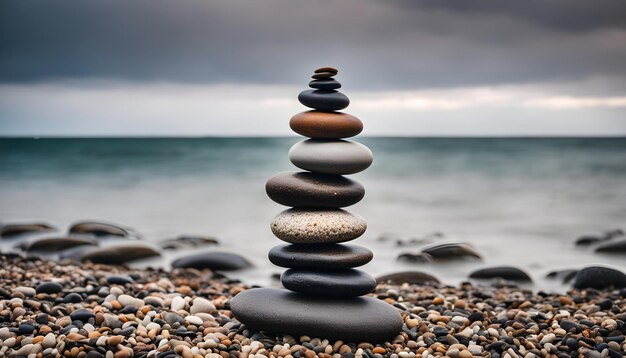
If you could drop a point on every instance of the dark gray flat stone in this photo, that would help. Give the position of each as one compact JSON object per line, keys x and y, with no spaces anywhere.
{"x":14,"y":230}
{"x":51,"y":244}
{"x":599,"y":277}
{"x":503,"y":272}
{"x":324,"y":100}
{"x":221,"y":261}
{"x":97,"y":229}
{"x":452,"y":251}
{"x":345,"y":282}
{"x":326,"y":256}
{"x":306,"y":189}
{"x":329,"y":84}
{"x":116,"y":254}
{"x":354,"y":319}
{"x":613,"y":247}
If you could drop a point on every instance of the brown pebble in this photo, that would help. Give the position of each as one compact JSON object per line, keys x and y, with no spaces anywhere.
{"x":326,"y":69}
{"x":437,"y":301}
{"x":379,"y":350}
{"x":326,"y":125}
{"x":115,"y":340}
{"x":323,"y":75}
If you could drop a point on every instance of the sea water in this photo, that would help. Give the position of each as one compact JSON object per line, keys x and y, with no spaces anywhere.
{"x":517,"y":201}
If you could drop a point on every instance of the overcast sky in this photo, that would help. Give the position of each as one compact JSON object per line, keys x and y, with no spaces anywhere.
{"x":229,"y":67}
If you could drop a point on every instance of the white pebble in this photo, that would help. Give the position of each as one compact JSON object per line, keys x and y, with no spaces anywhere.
{"x":202,"y":305}
{"x":178,"y":303}
{"x":49,"y":341}
{"x":195,"y":320}
{"x":27,"y":291}
{"x":127,"y":300}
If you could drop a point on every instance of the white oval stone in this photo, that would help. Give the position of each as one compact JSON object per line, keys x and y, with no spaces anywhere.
{"x":331,"y":156}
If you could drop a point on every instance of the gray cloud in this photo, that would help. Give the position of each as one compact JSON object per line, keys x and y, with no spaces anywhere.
{"x":376,"y":45}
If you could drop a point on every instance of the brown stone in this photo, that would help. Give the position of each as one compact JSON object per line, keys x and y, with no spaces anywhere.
{"x":326,"y":125}
{"x":326,"y":69}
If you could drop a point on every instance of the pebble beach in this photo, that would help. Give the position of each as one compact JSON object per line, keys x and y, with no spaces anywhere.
{"x":71,"y":309}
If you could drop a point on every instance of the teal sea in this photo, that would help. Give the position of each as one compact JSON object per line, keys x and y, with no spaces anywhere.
{"x":518,"y":201}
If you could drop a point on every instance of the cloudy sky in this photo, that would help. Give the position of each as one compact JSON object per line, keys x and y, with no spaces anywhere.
{"x":431,"y":67}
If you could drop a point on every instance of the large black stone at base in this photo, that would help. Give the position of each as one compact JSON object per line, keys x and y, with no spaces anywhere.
{"x":345,"y":282}
{"x":599,"y":277}
{"x":354,"y":319}
{"x":327,"y":256}
{"x":324,"y":100}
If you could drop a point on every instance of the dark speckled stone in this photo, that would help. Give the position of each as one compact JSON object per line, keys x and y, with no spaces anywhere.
{"x":346,"y":282}
{"x":354,"y":319}
{"x":327,"y":256}
{"x":324,"y":100}
{"x":308,"y":189}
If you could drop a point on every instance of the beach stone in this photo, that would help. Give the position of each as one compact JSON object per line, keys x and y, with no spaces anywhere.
{"x":317,"y":226}
{"x":306,"y":189}
{"x":201,"y":305}
{"x":119,"y":254}
{"x":324,"y":100}
{"x":14,"y":230}
{"x":565,"y":276}
{"x":327,"y":69}
{"x":119,"y":280}
{"x":325,"y":84}
{"x":221,"y":261}
{"x":352,"y":319}
{"x":613,"y":247}
{"x":599,"y":277}
{"x":325,"y":125}
{"x":97,"y":229}
{"x":410,"y":277}
{"x":53,"y":244}
{"x":588,"y":240}
{"x":323,"y":75}
{"x":49,"y":287}
{"x":325,"y":256}
{"x":343,"y":282}
{"x":331,"y":156}
{"x":188,"y":242}
{"x":503,"y":272}
{"x":82,"y":315}
{"x":451,"y":251}
{"x":419,"y":257}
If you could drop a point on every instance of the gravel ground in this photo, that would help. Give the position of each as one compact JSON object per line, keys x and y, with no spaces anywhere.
{"x":72,"y":309}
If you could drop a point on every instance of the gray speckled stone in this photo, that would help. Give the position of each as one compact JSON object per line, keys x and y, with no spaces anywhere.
{"x":342,"y":282}
{"x":327,"y":256}
{"x":331,"y":156}
{"x":352,"y":319}
{"x":317,"y":226}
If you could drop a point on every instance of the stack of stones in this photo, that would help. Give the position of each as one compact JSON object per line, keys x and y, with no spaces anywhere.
{"x":326,"y":288}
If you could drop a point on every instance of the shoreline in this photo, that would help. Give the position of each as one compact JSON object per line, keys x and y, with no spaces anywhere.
{"x":96,"y":310}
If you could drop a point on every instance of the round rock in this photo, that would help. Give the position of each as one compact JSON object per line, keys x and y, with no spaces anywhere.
{"x":326,"y":69}
{"x":98,"y":229}
{"x":325,"y":84}
{"x":344,"y":282}
{"x":452,"y":251}
{"x":317,"y":226}
{"x":118,"y":254}
{"x":324,"y":100}
{"x":504,"y":272}
{"x":323,"y":75}
{"x":331,"y":156}
{"x":326,"y":256}
{"x":599,"y":277}
{"x":353,"y":319}
{"x":15,"y":230}
{"x":52,"y":244}
{"x":49,"y":287}
{"x":314,"y":190}
{"x":222,"y":261}
{"x":326,"y":125}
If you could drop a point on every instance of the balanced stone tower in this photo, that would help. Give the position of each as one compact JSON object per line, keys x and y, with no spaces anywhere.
{"x":326,"y":293}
